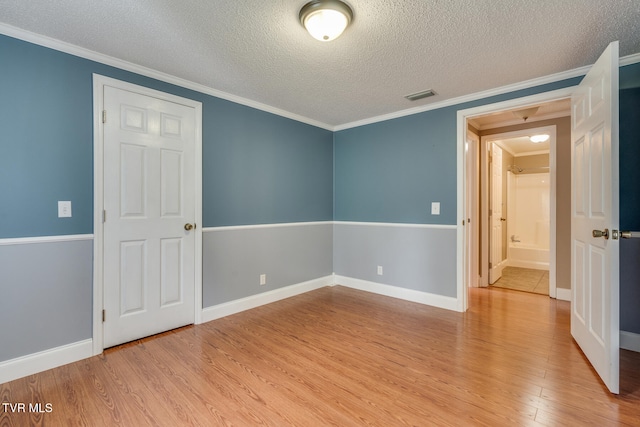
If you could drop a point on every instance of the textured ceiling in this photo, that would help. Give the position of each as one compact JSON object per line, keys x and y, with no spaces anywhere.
{"x":260,"y":52}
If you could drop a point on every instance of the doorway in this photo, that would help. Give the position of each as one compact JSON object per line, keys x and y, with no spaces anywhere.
{"x":520,"y":218}
{"x":498,"y":122}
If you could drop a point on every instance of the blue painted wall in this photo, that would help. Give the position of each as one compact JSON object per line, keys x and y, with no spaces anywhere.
{"x":630,"y":198}
{"x":46,"y":147}
{"x":629,"y":155}
{"x":391,"y":171}
{"x":257,"y":167}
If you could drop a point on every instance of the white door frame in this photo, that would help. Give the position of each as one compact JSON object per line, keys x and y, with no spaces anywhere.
{"x":462,"y":288}
{"x":99,"y":82}
{"x":551,"y":130}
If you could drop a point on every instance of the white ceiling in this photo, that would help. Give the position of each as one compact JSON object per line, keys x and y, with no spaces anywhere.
{"x":522,"y":146}
{"x":258,"y":51}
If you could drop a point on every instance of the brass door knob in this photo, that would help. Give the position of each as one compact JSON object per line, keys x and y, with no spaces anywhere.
{"x":189,"y":227}
{"x":601,"y":233}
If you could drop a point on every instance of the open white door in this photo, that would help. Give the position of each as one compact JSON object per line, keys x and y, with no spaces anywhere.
{"x":495,"y":216}
{"x":595,"y":314}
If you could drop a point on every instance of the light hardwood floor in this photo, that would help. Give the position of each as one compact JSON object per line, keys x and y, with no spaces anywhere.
{"x":337,"y":356}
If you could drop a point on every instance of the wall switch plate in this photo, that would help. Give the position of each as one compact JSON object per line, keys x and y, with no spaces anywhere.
{"x":435,"y":208}
{"x":379,"y":270}
{"x":64,"y":209}
{"x":263,"y":279}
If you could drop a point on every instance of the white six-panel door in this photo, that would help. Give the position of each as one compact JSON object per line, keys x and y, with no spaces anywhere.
{"x":149,"y":255}
{"x":594,"y":256}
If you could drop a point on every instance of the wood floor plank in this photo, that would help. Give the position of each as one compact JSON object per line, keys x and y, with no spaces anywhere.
{"x":342,"y":357}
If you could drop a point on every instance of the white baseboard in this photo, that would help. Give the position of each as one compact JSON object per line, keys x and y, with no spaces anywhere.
{"x":236,"y":306}
{"x":630,"y":341}
{"x":563,"y":294}
{"x":48,"y":359}
{"x":434,"y":300}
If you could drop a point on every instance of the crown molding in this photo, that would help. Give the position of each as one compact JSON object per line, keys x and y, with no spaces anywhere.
{"x":81,"y":52}
{"x":552,"y":78}
{"x":471,"y":97}
{"x":61,"y":46}
{"x":630,"y":59}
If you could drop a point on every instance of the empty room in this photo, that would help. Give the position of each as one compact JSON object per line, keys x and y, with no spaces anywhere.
{"x":319,"y":213}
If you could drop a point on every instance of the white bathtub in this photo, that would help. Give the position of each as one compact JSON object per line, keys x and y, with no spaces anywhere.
{"x":528,"y":256}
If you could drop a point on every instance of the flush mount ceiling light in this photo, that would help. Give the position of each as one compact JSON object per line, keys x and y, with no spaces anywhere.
{"x":536,"y":139}
{"x":325,"y":19}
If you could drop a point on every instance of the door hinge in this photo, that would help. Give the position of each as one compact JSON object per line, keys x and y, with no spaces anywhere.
{"x":104,"y":116}
{"x":104,"y":315}
{"x":104,"y":216}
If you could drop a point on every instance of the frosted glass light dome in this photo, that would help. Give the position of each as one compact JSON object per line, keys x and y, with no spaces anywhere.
{"x":539,"y":138}
{"x":325,"y":20}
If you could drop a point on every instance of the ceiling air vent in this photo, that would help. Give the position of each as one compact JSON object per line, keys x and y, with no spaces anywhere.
{"x":419,"y":95}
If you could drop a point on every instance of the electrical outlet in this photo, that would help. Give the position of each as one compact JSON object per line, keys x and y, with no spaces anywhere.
{"x":379,"y":270}
{"x":263,"y":279}
{"x":435,"y":208}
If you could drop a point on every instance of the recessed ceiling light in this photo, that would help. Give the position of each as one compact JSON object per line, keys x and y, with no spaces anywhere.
{"x":325,"y":19}
{"x":539,"y":138}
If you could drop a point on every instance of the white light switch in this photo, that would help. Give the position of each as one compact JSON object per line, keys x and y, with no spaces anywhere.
{"x":435,"y":208}
{"x":64,"y":209}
